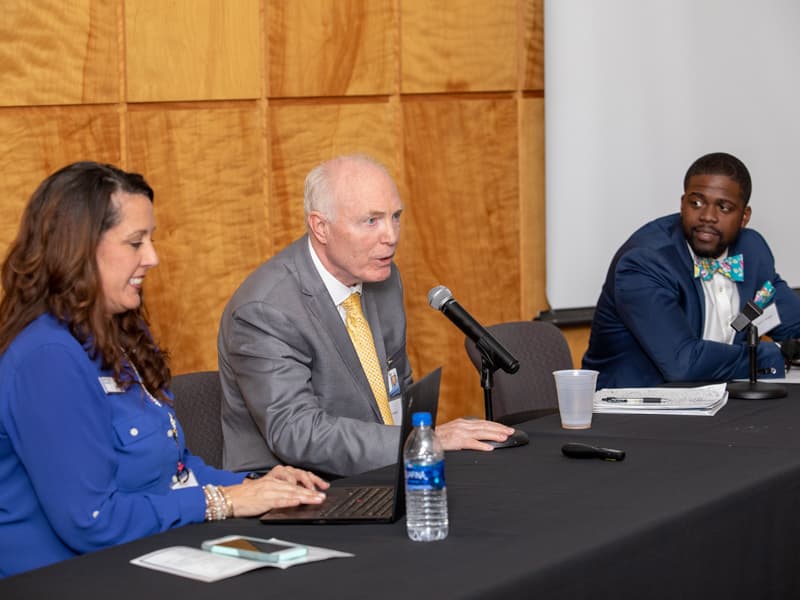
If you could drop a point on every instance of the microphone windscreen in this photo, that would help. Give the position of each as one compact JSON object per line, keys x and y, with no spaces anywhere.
{"x":439,"y":296}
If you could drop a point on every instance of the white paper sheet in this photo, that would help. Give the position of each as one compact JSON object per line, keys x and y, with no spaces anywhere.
{"x":198,"y":564}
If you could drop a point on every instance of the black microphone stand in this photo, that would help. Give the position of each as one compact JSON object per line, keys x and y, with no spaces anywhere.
{"x":753,"y":389}
{"x":518,"y":438}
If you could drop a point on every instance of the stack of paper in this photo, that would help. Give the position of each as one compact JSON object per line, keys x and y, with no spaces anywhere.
{"x":704,"y":400}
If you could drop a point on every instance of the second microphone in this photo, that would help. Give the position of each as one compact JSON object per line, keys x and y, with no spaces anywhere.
{"x":441,"y":299}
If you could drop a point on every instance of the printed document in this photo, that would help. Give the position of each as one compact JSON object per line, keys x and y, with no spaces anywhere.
{"x":704,"y":400}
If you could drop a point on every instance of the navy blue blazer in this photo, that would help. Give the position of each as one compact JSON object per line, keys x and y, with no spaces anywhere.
{"x":648,"y":323}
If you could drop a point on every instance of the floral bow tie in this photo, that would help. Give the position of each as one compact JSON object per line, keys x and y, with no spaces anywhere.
{"x":731,"y":267}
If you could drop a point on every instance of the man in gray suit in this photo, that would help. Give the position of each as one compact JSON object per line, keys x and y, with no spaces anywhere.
{"x":294,"y":387}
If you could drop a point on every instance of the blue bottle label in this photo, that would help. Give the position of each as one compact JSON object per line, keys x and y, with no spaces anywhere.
{"x":425,"y":477}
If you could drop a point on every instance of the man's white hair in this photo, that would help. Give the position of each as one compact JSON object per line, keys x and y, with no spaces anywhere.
{"x":319,"y":185}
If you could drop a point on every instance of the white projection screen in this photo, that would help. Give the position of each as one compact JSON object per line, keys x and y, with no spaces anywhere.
{"x":635,"y":90}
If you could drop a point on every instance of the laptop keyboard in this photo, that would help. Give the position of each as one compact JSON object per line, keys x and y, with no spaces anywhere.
{"x":362,"y":502}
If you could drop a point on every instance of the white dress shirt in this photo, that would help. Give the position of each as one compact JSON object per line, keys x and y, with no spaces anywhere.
{"x":722,"y":305}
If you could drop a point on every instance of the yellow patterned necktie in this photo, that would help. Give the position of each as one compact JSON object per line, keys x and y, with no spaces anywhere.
{"x":361,"y":335}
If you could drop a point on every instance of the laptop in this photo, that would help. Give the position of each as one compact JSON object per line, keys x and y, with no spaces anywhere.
{"x":369,"y":503}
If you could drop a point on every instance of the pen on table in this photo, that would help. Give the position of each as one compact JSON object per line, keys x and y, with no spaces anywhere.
{"x":634,"y":400}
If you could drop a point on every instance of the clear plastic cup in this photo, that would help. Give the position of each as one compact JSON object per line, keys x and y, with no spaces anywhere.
{"x":575,"y":389}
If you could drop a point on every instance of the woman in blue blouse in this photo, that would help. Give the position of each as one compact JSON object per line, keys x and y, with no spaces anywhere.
{"x":91,"y":454}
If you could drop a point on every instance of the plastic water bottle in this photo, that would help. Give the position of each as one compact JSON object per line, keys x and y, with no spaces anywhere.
{"x":426,"y":492}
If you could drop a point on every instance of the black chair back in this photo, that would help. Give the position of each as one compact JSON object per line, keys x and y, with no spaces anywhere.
{"x":541,"y":349}
{"x":198,"y":405}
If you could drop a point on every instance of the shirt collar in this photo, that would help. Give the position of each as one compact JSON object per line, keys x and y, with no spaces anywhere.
{"x":336,"y":289}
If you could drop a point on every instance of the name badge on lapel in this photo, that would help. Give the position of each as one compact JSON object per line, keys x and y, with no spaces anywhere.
{"x":393,"y":383}
{"x":109,"y":385}
{"x":395,"y":400}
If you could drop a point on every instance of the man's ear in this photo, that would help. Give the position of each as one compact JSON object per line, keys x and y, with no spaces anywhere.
{"x":745,"y":217}
{"x":318,"y":226}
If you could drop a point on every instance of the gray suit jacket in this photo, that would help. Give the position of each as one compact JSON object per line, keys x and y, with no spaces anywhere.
{"x":294,"y":390}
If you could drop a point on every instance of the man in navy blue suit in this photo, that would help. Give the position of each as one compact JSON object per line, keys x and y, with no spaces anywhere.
{"x":675,"y":286}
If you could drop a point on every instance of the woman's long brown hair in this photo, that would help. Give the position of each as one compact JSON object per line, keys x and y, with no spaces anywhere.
{"x":51,"y":267}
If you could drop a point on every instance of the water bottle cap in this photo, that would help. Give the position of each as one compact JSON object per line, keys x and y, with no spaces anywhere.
{"x":421,"y":418}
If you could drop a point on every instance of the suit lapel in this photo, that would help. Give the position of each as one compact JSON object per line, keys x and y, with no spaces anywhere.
{"x":697,"y":311}
{"x":321,"y":307}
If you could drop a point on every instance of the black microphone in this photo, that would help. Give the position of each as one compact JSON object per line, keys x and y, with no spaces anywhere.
{"x":753,"y":389}
{"x":750,"y":313}
{"x":441,"y":299}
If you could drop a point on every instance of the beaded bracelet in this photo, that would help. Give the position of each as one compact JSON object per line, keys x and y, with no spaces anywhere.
{"x":218,"y":505}
{"x":228,"y":502}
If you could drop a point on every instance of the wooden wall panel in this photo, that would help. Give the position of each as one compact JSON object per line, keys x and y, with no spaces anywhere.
{"x":578,"y":340}
{"x":55,"y":52}
{"x":532,"y":22}
{"x":303,"y":134}
{"x":332,"y":47}
{"x":192,"y":50}
{"x":272,"y":87}
{"x":461,"y":229}
{"x":458,"y":45}
{"x":206,"y":166}
{"x":35,"y":142}
{"x":532,"y":208}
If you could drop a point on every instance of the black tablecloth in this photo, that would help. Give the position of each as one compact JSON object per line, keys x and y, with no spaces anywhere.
{"x":745,"y":423}
{"x":702,"y":507}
